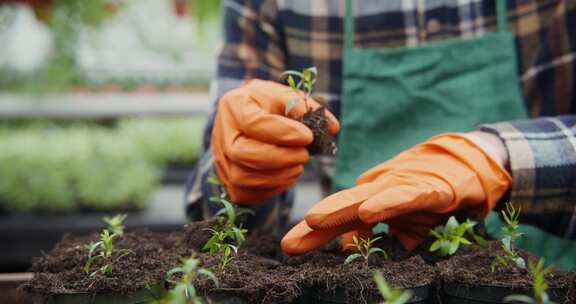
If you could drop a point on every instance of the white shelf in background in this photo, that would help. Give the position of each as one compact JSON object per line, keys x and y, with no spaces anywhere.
{"x":103,"y":105}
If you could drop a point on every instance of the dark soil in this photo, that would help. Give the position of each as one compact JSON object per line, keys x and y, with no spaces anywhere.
{"x":316,"y":121}
{"x":472,"y":267}
{"x":260,"y":274}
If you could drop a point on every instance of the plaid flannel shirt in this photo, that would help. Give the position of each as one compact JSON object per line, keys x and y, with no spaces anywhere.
{"x":262,"y":38}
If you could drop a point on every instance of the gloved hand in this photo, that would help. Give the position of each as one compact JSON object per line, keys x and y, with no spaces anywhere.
{"x":413,"y":192}
{"x":259,"y":152}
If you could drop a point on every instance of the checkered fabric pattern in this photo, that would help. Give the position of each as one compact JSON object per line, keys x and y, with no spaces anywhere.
{"x":543,"y":163}
{"x":262,"y":38}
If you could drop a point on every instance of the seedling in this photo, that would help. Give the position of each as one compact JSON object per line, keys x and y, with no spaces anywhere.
{"x":390,"y":294}
{"x":508,"y":242}
{"x":104,"y":249}
{"x":184,"y":290}
{"x":92,"y":247}
{"x":451,"y":236}
{"x":540,"y":286}
{"x":106,"y":244}
{"x":227,"y":237}
{"x":300,"y":81}
{"x":218,"y":244}
{"x":364,"y":249}
{"x":115,"y":223}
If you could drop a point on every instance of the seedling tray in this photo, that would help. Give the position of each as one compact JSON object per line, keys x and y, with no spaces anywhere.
{"x":30,"y":235}
{"x":141,"y":296}
{"x":420,"y":294}
{"x":456,"y":293}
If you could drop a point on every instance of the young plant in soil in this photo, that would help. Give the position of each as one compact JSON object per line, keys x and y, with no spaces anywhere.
{"x":508,"y":242}
{"x":303,"y":84}
{"x":104,"y":248}
{"x":390,"y":294}
{"x":115,"y":223}
{"x":364,"y":249}
{"x":540,"y":286}
{"x":453,"y":235}
{"x":227,"y":237}
{"x":184,"y":290}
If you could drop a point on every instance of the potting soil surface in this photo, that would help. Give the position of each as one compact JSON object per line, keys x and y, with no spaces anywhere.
{"x":260,"y":273}
{"x":472,"y":267}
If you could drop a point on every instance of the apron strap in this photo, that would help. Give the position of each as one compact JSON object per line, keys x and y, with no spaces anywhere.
{"x":501,"y":18}
{"x":502,"y":15}
{"x":348,"y":26}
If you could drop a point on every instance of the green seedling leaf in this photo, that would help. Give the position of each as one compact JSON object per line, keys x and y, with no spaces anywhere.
{"x":390,"y":294}
{"x":170,"y":274}
{"x":454,"y":244}
{"x":376,"y":249}
{"x":115,"y":223}
{"x":452,"y":224}
{"x":436,"y":234}
{"x":352,"y":257}
{"x":291,"y":82}
{"x":464,"y":241}
{"x":480,"y":240}
{"x":520,"y":263}
{"x":404,"y":297}
{"x":184,"y":290}
{"x":292,"y":73}
{"x":213,"y":180}
{"x":207,"y":273}
{"x":451,"y":236}
{"x":435,"y":246}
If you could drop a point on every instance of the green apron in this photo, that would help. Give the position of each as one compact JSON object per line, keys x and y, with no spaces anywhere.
{"x":395,"y":98}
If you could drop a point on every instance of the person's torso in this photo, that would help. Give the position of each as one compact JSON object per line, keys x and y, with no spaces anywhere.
{"x":545,"y":32}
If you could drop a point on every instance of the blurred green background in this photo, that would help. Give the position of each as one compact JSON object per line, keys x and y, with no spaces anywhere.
{"x":146,"y":64}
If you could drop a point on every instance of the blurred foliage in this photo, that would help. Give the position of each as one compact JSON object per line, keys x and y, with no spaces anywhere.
{"x":204,"y":12}
{"x":166,"y":140}
{"x":66,"y":19}
{"x":50,"y":167}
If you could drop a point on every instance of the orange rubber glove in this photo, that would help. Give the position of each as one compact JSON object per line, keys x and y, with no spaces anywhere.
{"x":413,"y":192}
{"x":258,"y":151}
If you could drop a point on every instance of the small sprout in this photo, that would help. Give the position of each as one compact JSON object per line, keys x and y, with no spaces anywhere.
{"x":92,"y":247}
{"x":508,"y":242}
{"x":306,"y":81}
{"x":115,"y":223}
{"x":184,"y":290}
{"x":451,"y":236}
{"x":539,"y":284}
{"x":364,"y":249}
{"x":105,"y":248}
{"x":390,"y":294}
{"x":105,"y":270}
{"x":226,"y":237}
{"x":217,"y":244}
{"x":106,"y":243}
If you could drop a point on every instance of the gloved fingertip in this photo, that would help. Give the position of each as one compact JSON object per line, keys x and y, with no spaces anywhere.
{"x":333,"y":123}
{"x":297,"y":240}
